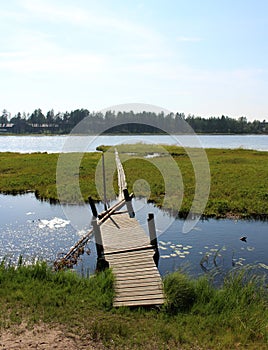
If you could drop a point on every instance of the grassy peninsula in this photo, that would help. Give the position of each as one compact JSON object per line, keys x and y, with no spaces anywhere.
{"x":196,"y":314}
{"x":238,"y":184}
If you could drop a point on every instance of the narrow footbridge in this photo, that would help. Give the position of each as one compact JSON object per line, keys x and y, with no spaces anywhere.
{"x":123,"y":245}
{"x":132,"y":257}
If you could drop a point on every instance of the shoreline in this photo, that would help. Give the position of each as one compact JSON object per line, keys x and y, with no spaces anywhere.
{"x":170,"y":211}
{"x":135,"y":134}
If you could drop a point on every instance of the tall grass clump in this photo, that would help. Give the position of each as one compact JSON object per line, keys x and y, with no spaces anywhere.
{"x":241,"y":289}
{"x":180,"y":292}
{"x":237,"y":310}
{"x":241,"y":304}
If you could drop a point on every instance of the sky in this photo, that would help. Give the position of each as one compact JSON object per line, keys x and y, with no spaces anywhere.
{"x":202,"y":57}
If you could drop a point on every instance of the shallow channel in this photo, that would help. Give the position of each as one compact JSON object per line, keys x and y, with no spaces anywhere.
{"x":40,"y":230}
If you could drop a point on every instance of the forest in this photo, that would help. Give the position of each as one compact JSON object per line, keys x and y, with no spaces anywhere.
{"x":125,"y":122}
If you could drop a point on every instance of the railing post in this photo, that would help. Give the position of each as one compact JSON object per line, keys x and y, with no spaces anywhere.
{"x":153,"y":237}
{"x":93,"y":207}
{"x":104,"y":182}
{"x":130,"y":210}
{"x":101,"y":262}
{"x":98,"y":240}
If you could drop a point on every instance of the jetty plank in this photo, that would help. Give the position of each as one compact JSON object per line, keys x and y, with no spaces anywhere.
{"x":129,"y":253}
{"x":137,"y":303}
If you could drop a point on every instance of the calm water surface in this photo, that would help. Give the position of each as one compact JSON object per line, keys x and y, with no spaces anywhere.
{"x":55,"y":144}
{"x":40,"y":230}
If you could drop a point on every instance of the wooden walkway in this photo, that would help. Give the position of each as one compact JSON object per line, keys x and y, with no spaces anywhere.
{"x":123,"y":244}
{"x":129,"y":253}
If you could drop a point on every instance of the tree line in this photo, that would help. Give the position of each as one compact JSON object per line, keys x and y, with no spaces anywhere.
{"x":125,"y":122}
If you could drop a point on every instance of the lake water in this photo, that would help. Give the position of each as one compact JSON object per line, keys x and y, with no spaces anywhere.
{"x":39,"y":230}
{"x":55,"y":144}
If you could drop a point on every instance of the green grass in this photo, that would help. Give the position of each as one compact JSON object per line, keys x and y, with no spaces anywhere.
{"x":196,"y":314}
{"x":40,"y":293}
{"x":238,"y":184}
{"x":37,"y":172}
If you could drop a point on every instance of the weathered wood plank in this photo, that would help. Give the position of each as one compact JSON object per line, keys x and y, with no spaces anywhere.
{"x":155,"y":302}
{"x":139,"y":297}
{"x":116,"y":259}
{"x":148,"y":297}
{"x":139,"y":292}
{"x":112,"y":250}
{"x":134,"y":270}
{"x":137,"y":255}
{"x":121,"y":229}
{"x":134,"y":266}
{"x":136,"y":284}
{"x":128,"y":250}
{"x":134,"y":277}
{"x":131,"y":255}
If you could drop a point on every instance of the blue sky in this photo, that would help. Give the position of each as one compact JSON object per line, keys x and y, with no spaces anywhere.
{"x":203,"y":57}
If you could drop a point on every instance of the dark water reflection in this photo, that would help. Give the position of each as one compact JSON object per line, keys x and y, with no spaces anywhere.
{"x":39,"y":230}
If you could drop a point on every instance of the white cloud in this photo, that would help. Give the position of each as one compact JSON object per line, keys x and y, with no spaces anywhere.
{"x":86,"y":17}
{"x":32,"y":52}
{"x":113,"y":42}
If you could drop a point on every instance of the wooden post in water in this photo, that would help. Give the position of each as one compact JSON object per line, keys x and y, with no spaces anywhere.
{"x":153,"y":238}
{"x":130,"y":209}
{"x":93,"y":207}
{"x":98,"y":240}
{"x":101,"y":263}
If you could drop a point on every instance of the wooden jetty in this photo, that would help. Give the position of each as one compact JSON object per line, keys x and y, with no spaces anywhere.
{"x":123,"y":245}
{"x":132,"y":257}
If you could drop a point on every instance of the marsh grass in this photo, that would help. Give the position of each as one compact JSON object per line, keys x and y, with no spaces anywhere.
{"x":238,"y":184}
{"x":180,"y":292}
{"x":36,"y":172}
{"x":197,"y":315}
{"x":237,"y":311}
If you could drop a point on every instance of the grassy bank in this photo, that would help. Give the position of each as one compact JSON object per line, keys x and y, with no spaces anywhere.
{"x":36,"y":172}
{"x":238,"y":185}
{"x":196,"y":315}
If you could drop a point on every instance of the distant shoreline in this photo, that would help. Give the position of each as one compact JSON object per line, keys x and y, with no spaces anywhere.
{"x":133,"y":134}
